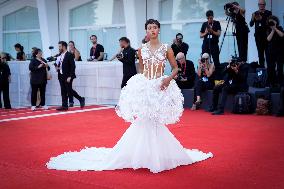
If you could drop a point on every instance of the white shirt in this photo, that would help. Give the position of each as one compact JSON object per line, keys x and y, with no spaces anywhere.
{"x":59,"y":61}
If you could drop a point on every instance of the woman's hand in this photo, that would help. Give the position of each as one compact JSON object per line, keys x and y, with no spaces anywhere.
{"x":165,"y":83}
{"x":40,"y":66}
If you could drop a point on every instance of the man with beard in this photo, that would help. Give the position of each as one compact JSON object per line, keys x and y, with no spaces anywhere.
{"x":65,"y":66}
{"x":97,"y":50}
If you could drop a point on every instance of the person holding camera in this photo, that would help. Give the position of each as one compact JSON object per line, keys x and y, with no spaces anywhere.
{"x":205,"y":81}
{"x":210,"y":32}
{"x":179,"y":45}
{"x":275,"y":40}
{"x":65,"y":66}
{"x":127,"y":55}
{"x":242,"y":30}
{"x":5,"y":79}
{"x":235,"y":80}
{"x":186,"y":72}
{"x":38,"y":78}
{"x":96,"y":51}
{"x":259,"y":20}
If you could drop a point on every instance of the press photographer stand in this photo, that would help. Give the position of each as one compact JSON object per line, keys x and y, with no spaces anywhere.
{"x":229,"y":19}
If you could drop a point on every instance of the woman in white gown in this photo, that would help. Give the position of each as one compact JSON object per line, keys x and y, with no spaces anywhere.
{"x":149,"y":101}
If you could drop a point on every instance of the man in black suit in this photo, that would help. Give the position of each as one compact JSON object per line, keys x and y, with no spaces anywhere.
{"x":127,"y":57}
{"x":65,"y":66}
{"x":235,"y":80}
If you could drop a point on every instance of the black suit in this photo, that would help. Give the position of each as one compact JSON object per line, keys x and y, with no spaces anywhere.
{"x":129,"y":67}
{"x":234,"y":83}
{"x":68,"y":70}
{"x":4,"y":84}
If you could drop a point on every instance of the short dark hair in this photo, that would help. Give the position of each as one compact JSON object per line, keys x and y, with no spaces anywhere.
{"x":93,"y":36}
{"x":124,"y":39}
{"x":18,"y":45}
{"x":36,"y":51}
{"x":178,"y":34}
{"x":63,"y":43}
{"x":152,"y":21}
{"x":275,"y":18}
{"x":209,"y":13}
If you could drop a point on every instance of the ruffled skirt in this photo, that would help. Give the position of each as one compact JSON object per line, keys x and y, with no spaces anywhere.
{"x":147,"y":143}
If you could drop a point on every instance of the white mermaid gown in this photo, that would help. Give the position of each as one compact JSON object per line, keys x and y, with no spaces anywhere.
{"x":147,"y":143}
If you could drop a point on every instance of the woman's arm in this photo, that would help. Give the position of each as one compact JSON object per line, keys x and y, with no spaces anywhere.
{"x":210,"y":70}
{"x":141,"y":66}
{"x":269,"y":37}
{"x":166,"y":81}
{"x":77,"y":55}
{"x":173,"y":62}
{"x":279,"y":32}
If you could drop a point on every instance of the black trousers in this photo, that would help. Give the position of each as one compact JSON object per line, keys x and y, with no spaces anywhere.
{"x":35,"y":88}
{"x":281,"y":104}
{"x":242,"y":41}
{"x":261,"y":44}
{"x":274,"y":69}
{"x":224,"y":90}
{"x":5,"y":90}
{"x":185,"y":84}
{"x":67,"y":90}
{"x":201,"y":86}
{"x":213,"y":50}
{"x":125,"y":78}
{"x":70,"y":95}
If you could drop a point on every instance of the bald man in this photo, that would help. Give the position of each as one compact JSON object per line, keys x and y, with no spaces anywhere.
{"x":259,"y":19}
{"x":186,"y":72}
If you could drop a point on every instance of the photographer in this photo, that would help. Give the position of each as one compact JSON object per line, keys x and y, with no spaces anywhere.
{"x":179,"y":45}
{"x":210,"y":32}
{"x":237,"y":14}
{"x":186,"y":72}
{"x":38,"y":69}
{"x":205,"y":81}
{"x":235,"y":81}
{"x":275,"y":40}
{"x":259,"y":19}
{"x":5,"y":79}
{"x":127,"y":57}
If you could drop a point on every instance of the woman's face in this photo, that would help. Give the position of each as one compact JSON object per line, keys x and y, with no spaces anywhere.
{"x":152,"y":31}
{"x":71,"y":46}
{"x":17,"y":49}
{"x":39,"y":54}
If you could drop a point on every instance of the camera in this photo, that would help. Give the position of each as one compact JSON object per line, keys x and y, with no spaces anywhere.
{"x":257,"y":14}
{"x":119,"y":55}
{"x":203,"y":60}
{"x":271,"y":23}
{"x":51,"y":58}
{"x":229,"y":10}
{"x":235,"y":61}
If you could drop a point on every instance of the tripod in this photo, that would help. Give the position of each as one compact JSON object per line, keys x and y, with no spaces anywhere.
{"x":229,"y":19}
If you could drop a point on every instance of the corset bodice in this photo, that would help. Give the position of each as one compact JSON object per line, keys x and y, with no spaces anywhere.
{"x":154,"y":62}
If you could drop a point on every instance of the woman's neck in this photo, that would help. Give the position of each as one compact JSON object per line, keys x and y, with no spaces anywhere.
{"x":154,"y":42}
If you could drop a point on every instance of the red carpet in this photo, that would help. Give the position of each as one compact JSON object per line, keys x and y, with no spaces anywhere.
{"x":248,"y":152}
